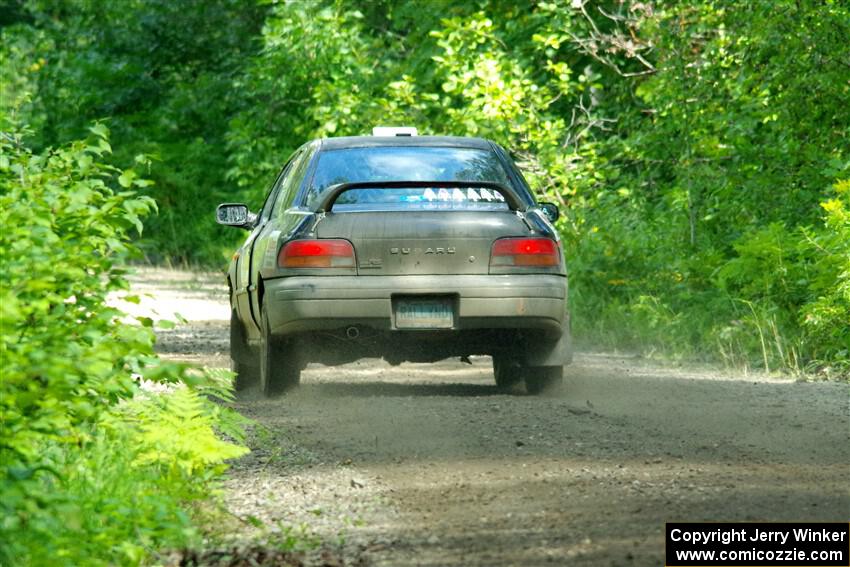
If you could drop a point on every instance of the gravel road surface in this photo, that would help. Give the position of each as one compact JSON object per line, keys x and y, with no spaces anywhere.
{"x":429,"y":464}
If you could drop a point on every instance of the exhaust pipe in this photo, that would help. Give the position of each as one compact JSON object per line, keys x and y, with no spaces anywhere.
{"x":352,"y":333}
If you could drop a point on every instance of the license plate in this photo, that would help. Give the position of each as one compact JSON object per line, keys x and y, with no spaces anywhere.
{"x":426,"y":313}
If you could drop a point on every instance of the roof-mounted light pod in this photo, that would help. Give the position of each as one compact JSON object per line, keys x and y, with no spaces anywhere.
{"x":394,"y":131}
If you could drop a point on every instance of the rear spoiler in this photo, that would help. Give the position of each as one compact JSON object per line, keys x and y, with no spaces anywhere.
{"x":334,"y":191}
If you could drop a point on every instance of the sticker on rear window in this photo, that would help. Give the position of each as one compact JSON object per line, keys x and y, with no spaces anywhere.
{"x":431,"y":198}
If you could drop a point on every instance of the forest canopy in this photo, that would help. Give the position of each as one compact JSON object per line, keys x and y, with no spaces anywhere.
{"x":698,"y":150}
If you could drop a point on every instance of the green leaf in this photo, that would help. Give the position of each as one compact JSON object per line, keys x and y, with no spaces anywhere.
{"x":126,"y":178}
{"x":99,"y":130}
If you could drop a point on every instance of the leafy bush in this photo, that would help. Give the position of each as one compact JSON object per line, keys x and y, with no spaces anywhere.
{"x":793,"y":289}
{"x":90,"y":472}
{"x":825,"y":318}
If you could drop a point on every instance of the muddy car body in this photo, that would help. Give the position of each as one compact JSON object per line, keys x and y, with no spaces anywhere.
{"x":409,"y":248}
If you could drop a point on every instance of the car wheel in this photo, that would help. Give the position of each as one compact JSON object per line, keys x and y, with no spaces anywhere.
{"x":539,"y":379}
{"x":241,"y":361}
{"x":507,"y":371}
{"x":280,"y":368}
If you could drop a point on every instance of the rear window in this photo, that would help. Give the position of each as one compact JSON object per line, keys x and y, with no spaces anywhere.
{"x":409,"y":163}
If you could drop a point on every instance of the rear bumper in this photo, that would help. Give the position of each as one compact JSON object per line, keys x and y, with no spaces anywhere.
{"x":309,"y":303}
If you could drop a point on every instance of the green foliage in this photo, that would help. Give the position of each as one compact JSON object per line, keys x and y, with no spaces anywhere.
{"x":690,"y":144}
{"x":90,"y":470}
{"x":796,"y":285}
{"x":700,"y":230}
{"x":64,"y":228}
{"x":124,"y":491}
{"x":177,"y":432}
{"x":161,"y":74}
{"x":825,"y":318}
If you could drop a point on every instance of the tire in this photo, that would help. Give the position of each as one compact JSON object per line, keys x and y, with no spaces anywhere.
{"x":242,"y":361}
{"x":280,"y":367}
{"x":246,"y":376}
{"x":507,"y":371}
{"x":539,"y":379}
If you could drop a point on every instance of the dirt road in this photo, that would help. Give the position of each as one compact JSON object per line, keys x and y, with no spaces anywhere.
{"x":431,"y":465}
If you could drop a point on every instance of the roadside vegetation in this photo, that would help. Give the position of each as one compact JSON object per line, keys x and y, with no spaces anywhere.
{"x":699,"y":151}
{"x":95,"y":468}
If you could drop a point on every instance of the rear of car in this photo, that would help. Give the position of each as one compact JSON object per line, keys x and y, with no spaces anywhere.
{"x":409,"y":249}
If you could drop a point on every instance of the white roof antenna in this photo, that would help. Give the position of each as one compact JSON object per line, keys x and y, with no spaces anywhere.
{"x":394,"y":131}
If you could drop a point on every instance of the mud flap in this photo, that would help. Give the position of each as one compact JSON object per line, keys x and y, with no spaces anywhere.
{"x":555,"y":353}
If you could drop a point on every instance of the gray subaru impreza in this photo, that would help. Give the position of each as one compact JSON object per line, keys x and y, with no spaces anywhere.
{"x":402,"y":247}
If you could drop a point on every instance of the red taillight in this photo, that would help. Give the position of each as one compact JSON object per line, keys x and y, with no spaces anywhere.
{"x":323,"y":253}
{"x":525,"y":252}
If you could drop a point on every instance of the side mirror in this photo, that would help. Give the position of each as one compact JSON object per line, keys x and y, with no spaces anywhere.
{"x":550,"y":210}
{"x":234,"y":214}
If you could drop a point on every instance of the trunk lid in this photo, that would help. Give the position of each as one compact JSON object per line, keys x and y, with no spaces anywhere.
{"x":422,"y":242}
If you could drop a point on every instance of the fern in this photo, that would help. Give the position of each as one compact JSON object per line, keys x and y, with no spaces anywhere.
{"x":178,"y":430}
